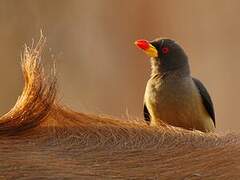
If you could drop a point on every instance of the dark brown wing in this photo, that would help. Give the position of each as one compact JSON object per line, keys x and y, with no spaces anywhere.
{"x":146,"y":114}
{"x":206,"y":99}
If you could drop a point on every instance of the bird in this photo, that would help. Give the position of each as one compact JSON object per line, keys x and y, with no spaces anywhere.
{"x":172,"y":95}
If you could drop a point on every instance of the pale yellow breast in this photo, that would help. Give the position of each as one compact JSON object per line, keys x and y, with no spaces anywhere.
{"x":177,"y":102}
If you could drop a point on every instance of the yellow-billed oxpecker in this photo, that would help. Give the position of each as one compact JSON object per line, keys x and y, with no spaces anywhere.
{"x":172,"y":95}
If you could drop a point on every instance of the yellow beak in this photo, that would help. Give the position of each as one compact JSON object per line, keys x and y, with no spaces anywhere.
{"x":147,"y":47}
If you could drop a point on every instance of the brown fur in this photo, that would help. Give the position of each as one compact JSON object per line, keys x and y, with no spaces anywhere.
{"x":41,"y":139}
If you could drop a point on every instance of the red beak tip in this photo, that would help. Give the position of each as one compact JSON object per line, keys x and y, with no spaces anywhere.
{"x":143,"y":44}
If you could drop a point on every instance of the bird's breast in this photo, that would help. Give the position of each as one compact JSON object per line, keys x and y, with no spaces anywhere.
{"x":175,"y":101}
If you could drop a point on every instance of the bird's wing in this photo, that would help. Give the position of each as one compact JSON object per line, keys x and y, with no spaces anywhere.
{"x":206,"y":99}
{"x":146,"y":114}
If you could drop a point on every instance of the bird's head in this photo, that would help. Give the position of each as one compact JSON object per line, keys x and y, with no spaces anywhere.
{"x":166,"y":53}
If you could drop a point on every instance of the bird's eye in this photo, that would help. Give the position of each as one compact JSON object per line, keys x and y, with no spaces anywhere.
{"x":165,"y":50}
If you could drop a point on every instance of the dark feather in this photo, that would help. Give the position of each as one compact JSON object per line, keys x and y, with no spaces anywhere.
{"x":206,"y":99}
{"x":146,"y":114}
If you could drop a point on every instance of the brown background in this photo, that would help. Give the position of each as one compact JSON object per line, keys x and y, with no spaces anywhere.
{"x":100,"y":70}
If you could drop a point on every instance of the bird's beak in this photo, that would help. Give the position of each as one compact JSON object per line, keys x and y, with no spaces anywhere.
{"x":147,"y":47}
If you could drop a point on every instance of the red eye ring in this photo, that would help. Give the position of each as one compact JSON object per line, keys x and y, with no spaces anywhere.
{"x":165,"y":50}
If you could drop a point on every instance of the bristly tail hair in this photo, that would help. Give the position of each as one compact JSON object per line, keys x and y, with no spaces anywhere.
{"x":38,"y":95}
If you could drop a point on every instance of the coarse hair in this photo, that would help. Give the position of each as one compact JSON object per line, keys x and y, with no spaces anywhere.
{"x":40,"y":138}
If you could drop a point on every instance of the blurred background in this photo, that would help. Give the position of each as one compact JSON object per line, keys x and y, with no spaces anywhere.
{"x":100,"y":70}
